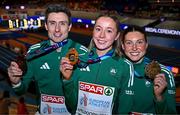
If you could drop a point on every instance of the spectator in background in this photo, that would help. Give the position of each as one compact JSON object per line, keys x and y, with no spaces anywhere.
{"x":44,"y":69}
{"x":21,"y":107}
{"x":4,"y":102}
{"x":152,"y":96}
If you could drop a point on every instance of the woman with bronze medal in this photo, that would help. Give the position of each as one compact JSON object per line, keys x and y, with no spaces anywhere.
{"x":93,"y":84}
{"x":152,"y":85}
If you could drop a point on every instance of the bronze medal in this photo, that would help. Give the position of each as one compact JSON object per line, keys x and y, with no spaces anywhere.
{"x":152,"y":69}
{"x":72,"y":55}
{"x":21,"y":61}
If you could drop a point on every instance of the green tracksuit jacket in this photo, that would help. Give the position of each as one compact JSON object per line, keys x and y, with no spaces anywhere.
{"x":109,"y":72}
{"x":138,"y":94}
{"x":44,"y":70}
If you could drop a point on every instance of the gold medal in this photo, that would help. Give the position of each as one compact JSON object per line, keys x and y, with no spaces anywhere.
{"x":72,"y":55}
{"x":152,"y":69}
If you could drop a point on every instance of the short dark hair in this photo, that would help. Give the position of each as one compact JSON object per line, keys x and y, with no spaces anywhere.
{"x":57,"y":8}
{"x":133,"y":28}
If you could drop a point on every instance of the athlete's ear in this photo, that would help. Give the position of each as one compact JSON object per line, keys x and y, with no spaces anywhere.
{"x":117,"y":37}
{"x":46,"y":26}
{"x":122,"y":45}
{"x":70,"y":27}
{"x":146,"y":46}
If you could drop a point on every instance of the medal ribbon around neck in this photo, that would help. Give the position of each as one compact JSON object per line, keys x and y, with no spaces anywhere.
{"x":146,"y":61}
{"x":48,"y":49}
{"x":83,"y":64}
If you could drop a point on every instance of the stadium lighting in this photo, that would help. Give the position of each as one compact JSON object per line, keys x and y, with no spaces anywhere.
{"x":93,"y":21}
{"x":125,"y":27}
{"x":79,"y":20}
{"x":7,"y":7}
{"x":42,"y":17}
{"x":22,"y":7}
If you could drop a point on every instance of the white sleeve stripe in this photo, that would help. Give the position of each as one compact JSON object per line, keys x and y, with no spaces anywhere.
{"x":130,"y":73}
{"x":33,"y":47}
{"x":163,"y":66}
{"x":84,"y":48}
{"x":171,"y":78}
{"x":170,"y":82}
{"x":166,"y":71}
{"x":131,"y":79}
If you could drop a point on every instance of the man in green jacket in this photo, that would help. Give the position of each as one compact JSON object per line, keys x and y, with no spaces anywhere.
{"x":44,"y":69}
{"x":145,"y":92}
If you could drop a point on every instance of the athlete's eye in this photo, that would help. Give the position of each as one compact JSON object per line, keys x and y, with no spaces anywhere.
{"x":97,"y":29}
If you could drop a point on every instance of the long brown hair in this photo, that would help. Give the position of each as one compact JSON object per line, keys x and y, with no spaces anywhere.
{"x":117,"y":44}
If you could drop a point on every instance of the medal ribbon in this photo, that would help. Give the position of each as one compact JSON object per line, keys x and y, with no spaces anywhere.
{"x":83,"y":64}
{"x":98,"y":59}
{"x":146,"y":61}
{"x":46,"y":50}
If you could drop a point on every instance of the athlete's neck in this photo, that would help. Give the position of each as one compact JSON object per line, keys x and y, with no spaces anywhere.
{"x":139,"y":61}
{"x":52,"y":43}
{"x":102,"y":52}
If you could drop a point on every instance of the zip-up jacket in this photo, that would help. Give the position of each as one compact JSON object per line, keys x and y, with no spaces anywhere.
{"x":44,"y":70}
{"x":138,"y":93}
{"x":84,"y":87}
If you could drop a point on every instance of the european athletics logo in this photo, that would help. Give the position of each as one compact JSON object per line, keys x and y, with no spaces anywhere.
{"x":84,"y":100}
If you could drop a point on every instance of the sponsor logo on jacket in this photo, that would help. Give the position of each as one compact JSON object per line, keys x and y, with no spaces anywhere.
{"x":129,"y":92}
{"x":91,"y":88}
{"x":53,"y":99}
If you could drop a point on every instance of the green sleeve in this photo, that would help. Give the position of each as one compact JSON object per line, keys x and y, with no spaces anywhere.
{"x":71,"y":86}
{"x":168,"y":104}
{"x":71,"y":93}
{"x":25,"y":80}
{"x":165,"y":106}
{"x":125,"y":102}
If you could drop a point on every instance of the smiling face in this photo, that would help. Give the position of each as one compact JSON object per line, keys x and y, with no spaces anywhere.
{"x":134,"y":46}
{"x":57,"y":26}
{"x":104,"y":34}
